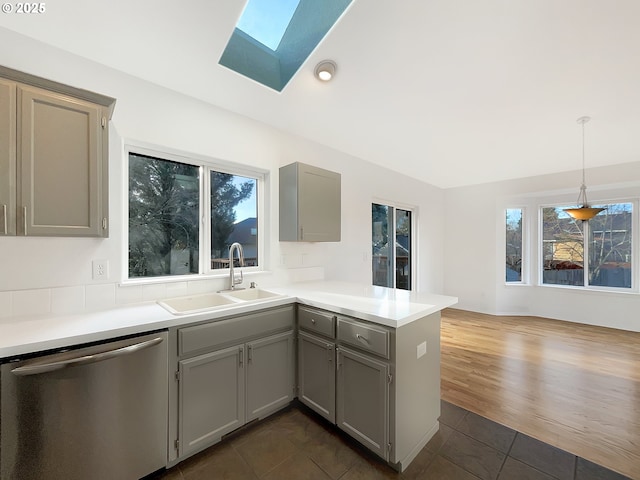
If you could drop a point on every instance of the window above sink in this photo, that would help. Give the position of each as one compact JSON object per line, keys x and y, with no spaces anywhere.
{"x":185,"y":212}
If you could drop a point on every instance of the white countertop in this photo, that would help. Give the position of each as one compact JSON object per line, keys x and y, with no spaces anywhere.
{"x":393,"y":308}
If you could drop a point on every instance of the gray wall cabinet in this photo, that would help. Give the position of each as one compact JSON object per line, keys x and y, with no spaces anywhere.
{"x":53,"y":158}
{"x":7,"y":157}
{"x":310,"y":204}
{"x":228,"y":372}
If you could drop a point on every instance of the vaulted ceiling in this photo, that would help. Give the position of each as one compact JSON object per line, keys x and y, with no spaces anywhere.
{"x":453,"y":92}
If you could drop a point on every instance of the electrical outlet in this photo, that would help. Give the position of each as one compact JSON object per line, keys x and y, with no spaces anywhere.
{"x":421,"y":350}
{"x":100,"y":269}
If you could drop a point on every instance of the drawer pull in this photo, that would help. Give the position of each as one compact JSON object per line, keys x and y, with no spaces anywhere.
{"x":313,"y":320}
{"x":362,"y":339}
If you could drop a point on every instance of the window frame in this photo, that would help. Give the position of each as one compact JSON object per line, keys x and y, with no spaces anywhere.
{"x":635,"y":261}
{"x":205,"y":165}
{"x":524,"y":268}
{"x":413,"y":279}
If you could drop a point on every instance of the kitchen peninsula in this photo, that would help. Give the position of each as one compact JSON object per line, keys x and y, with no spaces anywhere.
{"x":382,"y":345}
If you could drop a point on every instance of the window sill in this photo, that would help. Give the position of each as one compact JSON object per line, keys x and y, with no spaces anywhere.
{"x":129,"y":282}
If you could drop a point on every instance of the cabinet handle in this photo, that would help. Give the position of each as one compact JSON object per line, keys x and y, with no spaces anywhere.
{"x":362,"y":339}
{"x":24,"y":211}
{"x":4,"y":216}
{"x":241,"y":357}
{"x":313,"y":320}
{"x":249,"y":350}
{"x":329,"y":352}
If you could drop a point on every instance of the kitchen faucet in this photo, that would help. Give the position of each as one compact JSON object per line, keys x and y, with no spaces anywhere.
{"x":232,"y":277}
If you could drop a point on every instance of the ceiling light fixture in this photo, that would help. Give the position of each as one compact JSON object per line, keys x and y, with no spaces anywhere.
{"x":585,"y":212}
{"x":325,"y":70}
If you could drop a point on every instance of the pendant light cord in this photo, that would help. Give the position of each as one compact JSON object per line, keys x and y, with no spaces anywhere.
{"x":583,"y":188}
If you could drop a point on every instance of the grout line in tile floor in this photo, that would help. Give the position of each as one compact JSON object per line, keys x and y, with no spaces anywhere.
{"x":296,"y":443}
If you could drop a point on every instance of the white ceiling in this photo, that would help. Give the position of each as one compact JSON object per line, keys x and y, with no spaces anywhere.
{"x":453,"y":92}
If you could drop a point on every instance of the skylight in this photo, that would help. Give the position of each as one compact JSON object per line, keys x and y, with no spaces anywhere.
{"x":266,"y":20}
{"x":273,"y":38}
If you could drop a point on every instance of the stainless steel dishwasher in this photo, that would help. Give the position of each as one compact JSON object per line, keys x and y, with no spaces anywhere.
{"x":96,"y":412}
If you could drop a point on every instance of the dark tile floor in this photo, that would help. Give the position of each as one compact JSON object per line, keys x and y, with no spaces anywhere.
{"x":296,"y":444}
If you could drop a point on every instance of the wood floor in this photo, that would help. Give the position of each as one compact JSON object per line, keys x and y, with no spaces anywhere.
{"x":574,"y":386}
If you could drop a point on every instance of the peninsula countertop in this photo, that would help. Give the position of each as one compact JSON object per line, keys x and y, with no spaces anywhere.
{"x":391,"y":307}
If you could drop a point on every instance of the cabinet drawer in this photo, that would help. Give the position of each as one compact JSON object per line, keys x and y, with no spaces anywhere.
{"x":199,"y":338}
{"x":317,"y":321}
{"x":364,"y":336}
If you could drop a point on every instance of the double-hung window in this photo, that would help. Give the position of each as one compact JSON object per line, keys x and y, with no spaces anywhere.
{"x":392,"y":246}
{"x":595,"y":253}
{"x":514,"y":245}
{"x":185,"y":213}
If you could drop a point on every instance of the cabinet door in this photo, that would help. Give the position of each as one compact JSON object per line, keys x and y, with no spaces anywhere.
{"x":362,"y":400}
{"x":7,"y":157}
{"x":211,"y":399}
{"x":317,"y":375}
{"x":319,"y":206}
{"x":270,"y":367}
{"x":62,"y":172}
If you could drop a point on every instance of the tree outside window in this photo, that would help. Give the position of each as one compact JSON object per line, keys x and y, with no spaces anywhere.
{"x":514,"y":245}
{"x":165,"y":203}
{"x":593,"y":253}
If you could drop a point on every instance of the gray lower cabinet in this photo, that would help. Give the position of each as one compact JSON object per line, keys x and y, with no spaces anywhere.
{"x":344,"y":374}
{"x":229,"y":372}
{"x":317,"y":374}
{"x":207,"y":411}
{"x":362,"y":399}
{"x":270,"y":374}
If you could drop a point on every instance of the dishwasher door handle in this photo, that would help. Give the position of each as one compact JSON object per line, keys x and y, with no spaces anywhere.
{"x":84,"y":359}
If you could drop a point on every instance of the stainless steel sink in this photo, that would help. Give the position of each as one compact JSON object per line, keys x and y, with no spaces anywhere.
{"x":196,"y":303}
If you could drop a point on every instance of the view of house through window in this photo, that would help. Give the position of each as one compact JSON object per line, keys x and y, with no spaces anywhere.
{"x":166,"y":204}
{"x":604,"y":259}
{"x":513,"y":263}
{"x":391,"y":230}
{"x":234,"y":218}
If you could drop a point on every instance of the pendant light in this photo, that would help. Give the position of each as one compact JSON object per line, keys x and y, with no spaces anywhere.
{"x":585,"y":212}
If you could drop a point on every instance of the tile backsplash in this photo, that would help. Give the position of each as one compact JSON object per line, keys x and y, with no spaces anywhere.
{"x":84,"y":298}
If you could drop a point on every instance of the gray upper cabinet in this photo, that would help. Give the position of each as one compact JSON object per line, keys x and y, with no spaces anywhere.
{"x":7,"y":157}
{"x":55,"y":156}
{"x":310,"y":205}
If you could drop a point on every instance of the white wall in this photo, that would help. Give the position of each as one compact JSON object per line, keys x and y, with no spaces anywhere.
{"x":41,"y":275}
{"x":474,"y":251}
